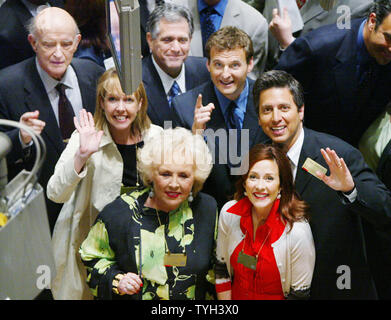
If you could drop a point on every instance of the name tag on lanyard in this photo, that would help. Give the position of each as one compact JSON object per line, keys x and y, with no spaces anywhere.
{"x":175,"y":259}
{"x":247,"y":260}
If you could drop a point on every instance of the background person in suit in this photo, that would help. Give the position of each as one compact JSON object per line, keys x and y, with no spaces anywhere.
{"x":169,"y":70}
{"x":313,"y":16}
{"x":223,"y":13}
{"x":28,"y":93}
{"x":340,"y":203}
{"x":224,"y":103}
{"x":345,"y":73}
{"x":14,"y":16}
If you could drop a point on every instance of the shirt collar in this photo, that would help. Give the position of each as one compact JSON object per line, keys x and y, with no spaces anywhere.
{"x":219,"y":7}
{"x":241,"y":101}
{"x":294,"y":152}
{"x":167,"y":80}
{"x":51,"y":83}
{"x":243,"y":207}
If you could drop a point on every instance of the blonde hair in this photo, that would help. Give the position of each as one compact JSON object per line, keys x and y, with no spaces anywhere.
{"x":109,"y":84}
{"x":177,"y":146}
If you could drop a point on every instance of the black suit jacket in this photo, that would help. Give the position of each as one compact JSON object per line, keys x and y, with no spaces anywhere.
{"x":158,"y":108}
{"x":14,"y":46}
{"x":22,"y":91}
{"x":324,"y":62}
{"x":220,"y":183}
{"x":336,"y":224}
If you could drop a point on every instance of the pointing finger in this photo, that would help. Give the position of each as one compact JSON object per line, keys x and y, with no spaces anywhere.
{"x":199,"y":101}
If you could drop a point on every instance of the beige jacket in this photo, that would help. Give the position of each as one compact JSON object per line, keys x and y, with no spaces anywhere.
{"x":84,"y":195}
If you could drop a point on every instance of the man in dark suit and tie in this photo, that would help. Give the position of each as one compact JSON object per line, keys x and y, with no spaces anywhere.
{"x":223,"y":106}
{"x":341,"y":200}
{"x":345,"y":73}
{"x":168,"y":71}
{"x":14,"y":16}
{"x":45,"y":92}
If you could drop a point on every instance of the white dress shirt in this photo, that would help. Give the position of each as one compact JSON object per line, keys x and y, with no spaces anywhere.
{"x":168,"y":81}
{"x":72,"y":91}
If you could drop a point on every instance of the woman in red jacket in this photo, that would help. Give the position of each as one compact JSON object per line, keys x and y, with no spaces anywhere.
{"x":265,"y":249}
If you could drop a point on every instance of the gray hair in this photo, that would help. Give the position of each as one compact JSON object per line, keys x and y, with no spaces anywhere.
{"x":175,"y":146}
{"x":171,"y":13}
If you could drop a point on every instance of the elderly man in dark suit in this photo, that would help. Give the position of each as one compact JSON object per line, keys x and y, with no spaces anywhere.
{"x":345,"y":73}
{"x":168,"y":71}
{"x":45,"y":92}
{"x":223,"y":105}
{"x":14,"y":16}
{"x":341,"y":202}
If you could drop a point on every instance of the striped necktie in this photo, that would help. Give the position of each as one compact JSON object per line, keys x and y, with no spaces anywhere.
{"x":174,"y":91}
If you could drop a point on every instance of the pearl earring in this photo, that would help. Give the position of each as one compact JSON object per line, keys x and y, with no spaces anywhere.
{"x":279,"y":196}
{"x":190,"y":198}
{"x":151,"y":193}
{"x":245,"y":193}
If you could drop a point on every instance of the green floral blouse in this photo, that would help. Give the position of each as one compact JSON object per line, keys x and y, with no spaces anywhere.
{"x":113,"y":246}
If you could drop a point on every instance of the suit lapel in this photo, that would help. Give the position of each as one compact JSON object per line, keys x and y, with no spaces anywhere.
{"x":250,"y":120}
{"x":310,"y":10}
{"x":158,"y":107}
{"x":36,"y":98}
{"x":196,"y":40}
{"x":232,"y":12}
{"x":383,"y":159}
{"x":217,"y":119}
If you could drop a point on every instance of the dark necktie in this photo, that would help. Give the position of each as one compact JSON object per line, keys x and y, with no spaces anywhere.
{"x":209,"y":27}
{"x":174,"y":91}
{"x":233,"y":123}
{"x":65,"y":113}
{"x":233,"y":119}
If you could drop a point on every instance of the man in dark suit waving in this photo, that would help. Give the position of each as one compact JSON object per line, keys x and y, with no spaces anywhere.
{"x":45,"y":92}
{"x":340,"y":202}
{"x":223,"y":106}
{"x":168,"y":71}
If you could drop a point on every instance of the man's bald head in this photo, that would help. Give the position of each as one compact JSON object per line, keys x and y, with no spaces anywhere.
{"x":54,"y":36}
{"x":50,"y":18}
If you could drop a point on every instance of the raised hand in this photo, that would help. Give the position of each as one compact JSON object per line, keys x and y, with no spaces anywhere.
{"x":202,"y":115}
{"x":340,"y":178}
{"x":31,"y":120}
{"x":89,"y":138}
{"x":281,"y":27}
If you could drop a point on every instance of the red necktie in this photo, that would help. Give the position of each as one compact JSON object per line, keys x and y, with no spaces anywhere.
{"x":300,"y":3}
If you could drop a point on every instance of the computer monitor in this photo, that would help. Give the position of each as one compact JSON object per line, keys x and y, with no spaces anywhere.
{"x":123,"y":32}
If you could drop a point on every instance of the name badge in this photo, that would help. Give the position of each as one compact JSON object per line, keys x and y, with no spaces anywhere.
{"x":175,"y":259}
{"x":247,"y":260}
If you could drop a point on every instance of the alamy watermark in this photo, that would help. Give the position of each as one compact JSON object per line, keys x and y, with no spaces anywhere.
{"x":345,"y":278}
